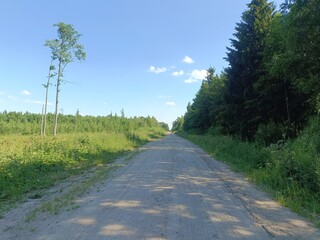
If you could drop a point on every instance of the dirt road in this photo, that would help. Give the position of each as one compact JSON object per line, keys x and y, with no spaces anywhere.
{"x":171,"y":190}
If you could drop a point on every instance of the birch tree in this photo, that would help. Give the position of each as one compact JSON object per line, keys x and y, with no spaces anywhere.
{"x":65,"y":49}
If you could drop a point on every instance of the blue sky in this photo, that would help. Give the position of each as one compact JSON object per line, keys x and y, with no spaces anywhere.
{"x":147,"y":57}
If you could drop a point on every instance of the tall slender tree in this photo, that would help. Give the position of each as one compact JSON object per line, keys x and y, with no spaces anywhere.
{"x":46,"y":86}
{"x":65,"y":49}
{"x":245,"y":57}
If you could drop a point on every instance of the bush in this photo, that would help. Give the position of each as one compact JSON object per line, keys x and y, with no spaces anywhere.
{"x":215,"y":130}
{"x":272,"y":132}
{"x":290,"y":169}
{"x":301,"y":159}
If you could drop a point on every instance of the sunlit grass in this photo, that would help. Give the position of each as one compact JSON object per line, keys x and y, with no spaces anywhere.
{"x":288,"y":171}
{"x":30,"y":163}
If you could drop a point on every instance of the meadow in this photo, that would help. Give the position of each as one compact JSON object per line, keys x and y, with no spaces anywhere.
{"x":30,"y":163}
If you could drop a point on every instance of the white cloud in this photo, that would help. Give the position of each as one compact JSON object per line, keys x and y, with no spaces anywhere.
{"x":190,"y":80}
{"x":196,"y":76}
{"x":171,"y":103}
{"x":25,"y":92}
{"x":199,"y":74}
{"x":187,"y":60}
{"x":178,"y":73}
{"x":157,"y":70}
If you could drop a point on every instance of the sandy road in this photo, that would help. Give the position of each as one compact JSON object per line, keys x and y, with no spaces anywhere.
{"x":171,"y":190}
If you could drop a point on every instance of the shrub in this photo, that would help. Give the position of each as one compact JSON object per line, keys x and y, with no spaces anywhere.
{"x":272,"y":132}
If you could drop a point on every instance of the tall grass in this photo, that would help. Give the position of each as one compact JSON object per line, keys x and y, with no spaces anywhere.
{"x":29,"y":163}
{"x":290,"y":171}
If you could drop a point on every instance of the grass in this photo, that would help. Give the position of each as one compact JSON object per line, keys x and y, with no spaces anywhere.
{"x":67,"y":199}
{"x":288,"y":171}
{"x":29,"y":164}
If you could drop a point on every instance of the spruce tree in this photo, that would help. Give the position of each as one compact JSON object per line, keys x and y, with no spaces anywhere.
{"x":245,"y":58}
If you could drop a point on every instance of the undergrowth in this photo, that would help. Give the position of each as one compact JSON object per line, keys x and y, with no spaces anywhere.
{"x":289,"y":170}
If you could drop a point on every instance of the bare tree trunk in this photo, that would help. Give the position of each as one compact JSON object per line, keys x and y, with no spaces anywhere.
{"x":287,"y":102}
{"x":55,"y":120}
{"x":46,"y":101}
{"x":42,"y":119}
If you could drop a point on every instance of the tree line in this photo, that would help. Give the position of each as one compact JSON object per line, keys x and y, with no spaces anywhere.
{"x":29,"y":123}
{"x":271,"y":87}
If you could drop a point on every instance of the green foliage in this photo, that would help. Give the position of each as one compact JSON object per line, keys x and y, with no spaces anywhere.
{"x":29,"y":163}
{"x":272,"y":132}
{"x":177,"y":125}
{"x":242,"y":156}
{"x":271,"y":87}
{"x":268,"y":95}
{"x":29,"y":123}
{"x":288,"y":170}
{"x":207,"y":105}
{"x":165,"y":126}
{"x":242,"y":114}
{"x":65,"y":49}
{"x":291,"y":66}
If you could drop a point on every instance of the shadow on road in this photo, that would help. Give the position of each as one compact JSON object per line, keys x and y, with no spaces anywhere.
{"x":173,"y":190}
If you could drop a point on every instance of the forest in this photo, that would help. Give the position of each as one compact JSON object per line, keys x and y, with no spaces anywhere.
{"x":271,"y":86}
{"x":266,"y":102}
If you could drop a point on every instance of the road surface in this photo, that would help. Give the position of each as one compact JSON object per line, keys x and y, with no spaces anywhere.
{"x":170,"y":190}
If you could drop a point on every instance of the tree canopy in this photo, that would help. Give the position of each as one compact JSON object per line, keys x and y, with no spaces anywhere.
{"x":272,"y":82}
{"x":65,"y":49}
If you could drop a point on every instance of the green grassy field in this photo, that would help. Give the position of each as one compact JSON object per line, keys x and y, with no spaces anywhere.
{"x":29,"y":163}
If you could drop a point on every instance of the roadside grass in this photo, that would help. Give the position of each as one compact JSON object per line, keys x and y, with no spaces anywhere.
{"x":67,"y":199}
{"x":289,"y":171}
{"x":29,"y":164}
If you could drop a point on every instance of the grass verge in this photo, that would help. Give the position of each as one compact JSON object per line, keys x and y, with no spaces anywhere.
{"x":29,"y":164}
{"x":67,"y":200}
{"x":288,"y":171}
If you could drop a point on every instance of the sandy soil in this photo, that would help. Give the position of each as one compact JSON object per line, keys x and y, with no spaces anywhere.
{"x":171,"y":190}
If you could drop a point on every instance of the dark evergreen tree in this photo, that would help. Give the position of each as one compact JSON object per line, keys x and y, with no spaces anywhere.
{"x":245,"y":58}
